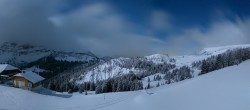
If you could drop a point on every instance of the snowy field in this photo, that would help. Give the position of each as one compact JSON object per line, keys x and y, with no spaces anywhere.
{"x":225,"y":89}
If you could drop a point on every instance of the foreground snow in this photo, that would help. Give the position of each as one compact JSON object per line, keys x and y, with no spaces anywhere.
{"x":225,"y":89}
{"x":17,"y":99}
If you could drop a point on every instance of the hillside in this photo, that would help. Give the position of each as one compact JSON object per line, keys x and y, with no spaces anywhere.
{"x":148,"y":71}
{"x":225,"y":89}
{"x":73,"y":71}
{"x":43,"y":60}
{"x":140,"y":65}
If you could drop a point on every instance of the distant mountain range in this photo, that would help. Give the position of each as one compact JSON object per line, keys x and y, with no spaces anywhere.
{"x":35,"y":58}
{"x":15,"y":54}
{"x":62,"y":68}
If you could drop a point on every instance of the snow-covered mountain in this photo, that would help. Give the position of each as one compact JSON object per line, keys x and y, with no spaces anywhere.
{"x":16,"y":54}
{"x":221,"y":89}
{"x":225,"y":89}
{"x":222,"y":49}
{"x":205,"y":53}
{"x":120,"y":66}
{"x":43,"y":60}
{"x":93,"y":69}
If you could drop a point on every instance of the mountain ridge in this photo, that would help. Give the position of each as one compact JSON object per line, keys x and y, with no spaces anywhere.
{"x":116,"y":67}
{"x":16,"y":54}
{"x":76,"y":69}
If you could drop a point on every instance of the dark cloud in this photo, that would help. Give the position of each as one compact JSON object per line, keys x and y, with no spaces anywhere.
{"x":103,"y":31}
{"x":26,"y":21}
{"x":97,"y":27}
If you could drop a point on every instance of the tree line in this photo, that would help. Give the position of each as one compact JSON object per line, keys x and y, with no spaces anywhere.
{"x":229,"y":58}
{"x":129,"y":82}
{"x":179,"y":74}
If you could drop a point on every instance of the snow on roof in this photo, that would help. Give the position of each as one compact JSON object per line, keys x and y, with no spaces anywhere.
{"x":31,"y":76}
{"x":7,"y":67}
{"x":4,"y":75}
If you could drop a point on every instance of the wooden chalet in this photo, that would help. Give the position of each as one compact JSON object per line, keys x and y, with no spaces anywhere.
{"x":7,"y":71}
{"x":26,"y":80}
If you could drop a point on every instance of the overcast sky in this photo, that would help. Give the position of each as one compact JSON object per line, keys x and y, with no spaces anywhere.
{"x":126,"y":27}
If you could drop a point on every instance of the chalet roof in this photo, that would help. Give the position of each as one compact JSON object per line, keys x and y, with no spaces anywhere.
{"x":31,"y":76}
{"x":7,"y":67}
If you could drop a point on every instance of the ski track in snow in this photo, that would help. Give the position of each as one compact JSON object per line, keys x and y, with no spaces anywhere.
{"x":100,"y":105}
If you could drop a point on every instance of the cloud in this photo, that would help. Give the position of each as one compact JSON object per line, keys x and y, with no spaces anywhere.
{"x":220,"y":33}
{"x":93,"y":27}
{"x":97,"y":27}
{"x":25,"y":21}
{"x":160,"y":20}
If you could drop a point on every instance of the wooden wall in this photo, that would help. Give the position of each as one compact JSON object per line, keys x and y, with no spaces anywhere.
{"x":25,"y":81}
{"x":36,"y":84}
{"x":17,"y":79}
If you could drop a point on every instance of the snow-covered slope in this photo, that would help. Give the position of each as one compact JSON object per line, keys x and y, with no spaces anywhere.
{"x":106,"y":70}
{"x":118,"y":66}
{"x":225,"y":89}
{"x":121,"y":66}
{"x":158,"y":58}
{"x":222,"y":49}
{"x":205,"y":53}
